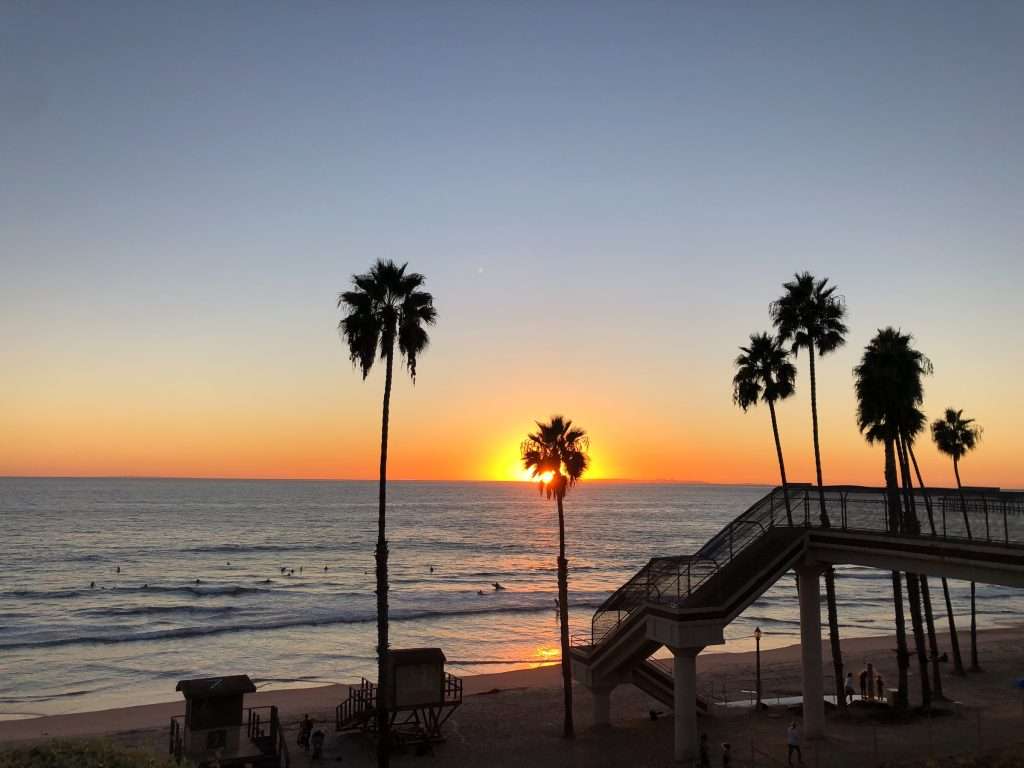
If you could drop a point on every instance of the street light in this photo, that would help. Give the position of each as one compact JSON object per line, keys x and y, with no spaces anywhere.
{"x":757,"y":655}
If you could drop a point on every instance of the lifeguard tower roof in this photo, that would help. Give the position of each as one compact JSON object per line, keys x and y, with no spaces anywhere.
{"x":213,"y":687}
{"x":402,"y":656}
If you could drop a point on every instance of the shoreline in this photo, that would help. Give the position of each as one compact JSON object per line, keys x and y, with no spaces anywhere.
{"x":728,"y":670}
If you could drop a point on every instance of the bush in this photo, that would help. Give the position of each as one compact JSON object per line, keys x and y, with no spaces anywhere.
{"x":81,"y":754}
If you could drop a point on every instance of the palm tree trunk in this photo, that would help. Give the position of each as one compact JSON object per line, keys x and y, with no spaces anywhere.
{"x":830,"y":575}
{"x":814,"y":431}
{"x":383,"y":718}
{"x":954,"y":641}
{"x":902,"y":656}
{"x":975,"y":666}
{"x":782,"y":464}
{"x":563,"y":613}
{"x":933,"y":641}
{"x":913,"y":526}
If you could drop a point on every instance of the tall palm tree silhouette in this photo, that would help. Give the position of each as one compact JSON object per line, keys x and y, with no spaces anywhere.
{"x":385,"y":306}
{"x":912,"y":425}
{"x":763,"y":371}
{"x":556,"y":454}
{"x":954,"y":640}
{"x":889,"y":389}
{"x":810,"y":316}
{"x":955,"y":436}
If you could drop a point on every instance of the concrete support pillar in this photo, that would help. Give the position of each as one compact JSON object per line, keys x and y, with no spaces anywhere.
{"x":810,"y":651}
{"x":601,"y":699}
{"x":684,"y":671}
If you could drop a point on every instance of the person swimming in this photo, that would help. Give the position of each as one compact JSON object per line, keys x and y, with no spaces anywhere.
{"x":198,"y":581}
{"x":92,"y":585}
{"x":118,"y":569}
{"x":325,"y":569}
{"x":497,"y":587}
{"x":480,"y":592}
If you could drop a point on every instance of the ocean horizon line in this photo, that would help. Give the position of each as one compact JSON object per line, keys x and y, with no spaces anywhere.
{"x":442,"y":481}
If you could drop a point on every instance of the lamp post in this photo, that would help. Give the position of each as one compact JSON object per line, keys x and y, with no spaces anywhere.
{"x":757,"y":656}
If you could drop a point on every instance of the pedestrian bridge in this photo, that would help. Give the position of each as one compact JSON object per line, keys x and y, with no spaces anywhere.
{"x":685,"y":602}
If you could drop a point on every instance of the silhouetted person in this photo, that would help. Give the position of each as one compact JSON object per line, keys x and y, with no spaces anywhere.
{"x":793,"y":743}
{"x":726,"y":755}
{"x":305,"y":730}
{"x":325,"y":569}
{"x":850,"y":690}
{"x":318,"y":745}
{"x":92,"y":585}
{"x":497,"y":587}
{"x":705,"y":755}
{"x":118,"y":569}
{"x":864,"y":684}
{"x":198,"y":581}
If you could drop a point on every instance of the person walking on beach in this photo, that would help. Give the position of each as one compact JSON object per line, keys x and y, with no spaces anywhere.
{"x":305,"y":729}
{"x":850,"y":690}
{"x":871,"y":682}
{"x":705,"y":757}
{"x":864,"y":685}
{"x":793,"y":743}
{"x":726,"y":755}
{"x":880,"y":687}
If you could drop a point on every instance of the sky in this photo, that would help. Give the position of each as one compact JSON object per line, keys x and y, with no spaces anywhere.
{"x":604,"y":197}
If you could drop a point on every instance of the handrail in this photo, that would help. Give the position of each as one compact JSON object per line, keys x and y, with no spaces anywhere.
{"x":998,"y":517}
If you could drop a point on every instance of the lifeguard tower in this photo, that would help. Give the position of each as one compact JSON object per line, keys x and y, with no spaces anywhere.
{"x":420,"y":699}
{"x":218,"y":729}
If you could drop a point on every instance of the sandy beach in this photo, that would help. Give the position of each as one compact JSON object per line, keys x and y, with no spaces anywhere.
{"x":513,"y":718}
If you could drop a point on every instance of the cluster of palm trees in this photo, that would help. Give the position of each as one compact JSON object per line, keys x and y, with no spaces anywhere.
{"x":888,"y":383}
{"x":387,"y":307}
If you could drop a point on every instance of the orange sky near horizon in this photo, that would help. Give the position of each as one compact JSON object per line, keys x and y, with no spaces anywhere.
{"x":120,"y":420}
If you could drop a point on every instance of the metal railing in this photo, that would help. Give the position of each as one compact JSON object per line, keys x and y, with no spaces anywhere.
{"x":984,"y":515}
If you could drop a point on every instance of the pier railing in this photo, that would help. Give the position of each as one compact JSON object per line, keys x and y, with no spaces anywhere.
{"x":984,"y":515}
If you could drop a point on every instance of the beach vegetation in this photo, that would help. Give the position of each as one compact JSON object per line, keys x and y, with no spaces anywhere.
{"x":557,"y":456}
{"x":889,"y":389}
{"x":765,"y":373}
{"x":92,"y":753}
{"x":955,"y":436}
{"x":385,"y":308}
{"x":810,"y":315}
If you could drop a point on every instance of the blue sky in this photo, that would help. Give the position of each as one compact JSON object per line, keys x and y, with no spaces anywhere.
{"x":610,"y":190}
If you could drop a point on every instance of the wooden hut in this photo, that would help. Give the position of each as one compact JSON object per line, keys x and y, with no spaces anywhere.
{"x":218,"y":728}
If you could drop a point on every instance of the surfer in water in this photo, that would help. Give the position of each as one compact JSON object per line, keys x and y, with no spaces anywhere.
{"x":497,"y":587}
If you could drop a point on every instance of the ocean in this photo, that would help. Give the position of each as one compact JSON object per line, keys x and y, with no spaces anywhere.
{"x":112,"y":590}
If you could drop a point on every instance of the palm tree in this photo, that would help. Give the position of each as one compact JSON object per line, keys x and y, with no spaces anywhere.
{"x":386,"y":305}
{"x":954,"y":640}
{"x":955,"y":436}
{"x":764,"y":371}
{"x":910,"y":427}
{"x":889,"y":389}
{"x":556,"y":454}
{"x":810,"y":316}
